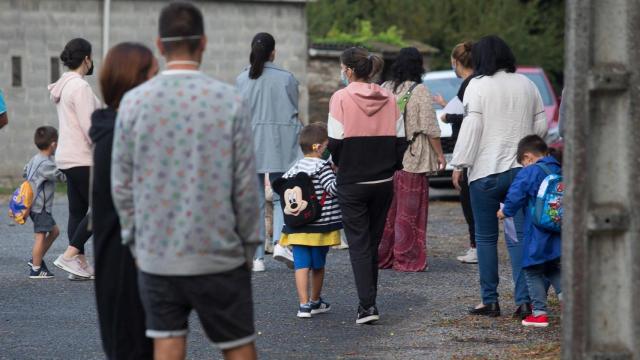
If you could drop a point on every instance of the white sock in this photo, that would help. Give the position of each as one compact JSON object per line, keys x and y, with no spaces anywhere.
{"x":35,"y":268}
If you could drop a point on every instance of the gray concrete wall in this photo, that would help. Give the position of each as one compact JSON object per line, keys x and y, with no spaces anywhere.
{"x":37,"y":30}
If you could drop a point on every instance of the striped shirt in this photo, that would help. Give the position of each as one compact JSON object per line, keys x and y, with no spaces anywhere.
{"x":324,"y":182}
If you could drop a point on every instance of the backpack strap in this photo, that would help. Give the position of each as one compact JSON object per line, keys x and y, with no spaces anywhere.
{"x":40,"y":189}
{"x":545,"y":168}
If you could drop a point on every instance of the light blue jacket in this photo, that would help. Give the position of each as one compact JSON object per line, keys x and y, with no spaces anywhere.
{"x":273,"y":99}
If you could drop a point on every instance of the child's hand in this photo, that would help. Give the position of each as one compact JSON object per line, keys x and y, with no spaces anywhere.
{"x":500,"y":215}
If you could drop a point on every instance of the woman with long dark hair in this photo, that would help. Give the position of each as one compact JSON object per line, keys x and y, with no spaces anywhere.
{"x":272,"y":94}
{"x":404,"y":242}
{"x":75,"y":102}
{"x":367,"y":143}
{"x":120,"y":311}
{"x":501,"y":108}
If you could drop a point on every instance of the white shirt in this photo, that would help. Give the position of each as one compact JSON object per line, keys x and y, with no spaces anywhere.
{"x":499,"y":111}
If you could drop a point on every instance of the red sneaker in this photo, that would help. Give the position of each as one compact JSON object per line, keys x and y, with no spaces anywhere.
{"x":536,"y":321}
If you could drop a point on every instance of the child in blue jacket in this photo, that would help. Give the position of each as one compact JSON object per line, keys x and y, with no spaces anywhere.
{"x":541,"y":257}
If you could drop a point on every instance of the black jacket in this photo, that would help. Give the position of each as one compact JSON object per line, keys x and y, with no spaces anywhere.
{"x":120,"y":311}
{"x":456,"y":119}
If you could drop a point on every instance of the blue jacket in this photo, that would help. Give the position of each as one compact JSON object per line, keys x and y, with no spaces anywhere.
{"x":540,"y":245}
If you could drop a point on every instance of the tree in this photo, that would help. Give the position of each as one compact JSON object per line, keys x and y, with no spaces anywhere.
{"x":533,"y":28}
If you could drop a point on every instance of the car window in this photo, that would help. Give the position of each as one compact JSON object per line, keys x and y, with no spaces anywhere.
{"x":448,"y":88}
{"x":540,"y":82}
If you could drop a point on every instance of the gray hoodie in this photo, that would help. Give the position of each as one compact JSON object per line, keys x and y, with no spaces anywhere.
{"x":42,"y":173}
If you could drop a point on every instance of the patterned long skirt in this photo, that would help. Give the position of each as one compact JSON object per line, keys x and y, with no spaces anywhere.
{"x":404,"y":242}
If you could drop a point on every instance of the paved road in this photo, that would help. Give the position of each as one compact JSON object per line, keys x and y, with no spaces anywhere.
{"x":423,"y":314}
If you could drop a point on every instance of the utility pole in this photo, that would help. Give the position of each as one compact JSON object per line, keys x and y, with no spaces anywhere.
{"x":601,"y":242}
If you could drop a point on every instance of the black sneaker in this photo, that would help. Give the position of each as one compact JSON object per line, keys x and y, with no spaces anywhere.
{"x":319,"y":307}
{"x":367,"y":316}
{"x":42,"y":273}
{"x":304,"y":312}
{"x":490,"y":310}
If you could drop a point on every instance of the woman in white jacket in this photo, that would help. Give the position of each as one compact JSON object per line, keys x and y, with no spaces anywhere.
{"x":501,"y":107}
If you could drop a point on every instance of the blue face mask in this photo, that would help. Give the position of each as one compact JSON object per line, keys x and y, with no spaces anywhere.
{"x":344,"y":79}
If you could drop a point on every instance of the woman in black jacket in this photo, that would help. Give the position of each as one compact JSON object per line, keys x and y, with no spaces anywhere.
{"x":120,"y":311}
{"x":462,"y":64}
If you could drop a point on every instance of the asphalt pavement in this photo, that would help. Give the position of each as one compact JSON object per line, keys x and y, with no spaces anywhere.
{"x":422,"y":314}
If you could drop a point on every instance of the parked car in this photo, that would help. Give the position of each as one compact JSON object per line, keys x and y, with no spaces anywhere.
{"x":446,"y":83}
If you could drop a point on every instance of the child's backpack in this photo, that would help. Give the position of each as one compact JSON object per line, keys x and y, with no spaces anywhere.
{"x":298,"y":199}
{"x":547,"y":211}
{"x":22,"y":199}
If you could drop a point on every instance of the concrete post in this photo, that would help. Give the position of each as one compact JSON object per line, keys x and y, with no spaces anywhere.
{"x":601,"y":270}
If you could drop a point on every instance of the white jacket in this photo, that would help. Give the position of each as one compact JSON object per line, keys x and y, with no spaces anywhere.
{"x":499,"y":111}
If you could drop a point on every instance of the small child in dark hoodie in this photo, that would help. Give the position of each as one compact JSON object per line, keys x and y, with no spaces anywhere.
{"x":542,"y":248}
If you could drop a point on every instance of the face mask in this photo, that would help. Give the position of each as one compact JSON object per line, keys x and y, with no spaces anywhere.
{"x":326,"y":154}
{"x":343,"y":78}
{"x":90,"y":71}
{"x":453,"y":67}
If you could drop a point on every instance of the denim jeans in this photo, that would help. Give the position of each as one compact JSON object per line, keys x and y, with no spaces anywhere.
{"x":537,"y":276}
{"x":278,"y":217}
{"x":486,"y":195}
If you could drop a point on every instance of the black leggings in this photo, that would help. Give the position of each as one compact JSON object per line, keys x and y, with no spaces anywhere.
{"x":465,"y":201}
{"x":78,"y":194}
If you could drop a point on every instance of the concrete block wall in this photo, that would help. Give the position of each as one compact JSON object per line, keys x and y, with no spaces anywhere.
{"x":37,"y":30}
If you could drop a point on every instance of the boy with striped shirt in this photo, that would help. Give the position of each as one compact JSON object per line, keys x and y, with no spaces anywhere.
{"x":311,"y":242}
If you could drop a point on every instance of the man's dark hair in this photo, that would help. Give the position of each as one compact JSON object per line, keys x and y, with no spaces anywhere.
{"x":45,"y":136}
{"x":314,"y":133}
{"x":181,"y":19}
{"x":491,"y":54}
{"x":532,"y":144}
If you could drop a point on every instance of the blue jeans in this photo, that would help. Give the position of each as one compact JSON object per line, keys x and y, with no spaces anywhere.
{"x":278,"y":216}
{"x":537,"y":276}
{"x":486,"y":195}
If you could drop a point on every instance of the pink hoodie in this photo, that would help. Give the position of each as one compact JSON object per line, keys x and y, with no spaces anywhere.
{"x":75,"y":102}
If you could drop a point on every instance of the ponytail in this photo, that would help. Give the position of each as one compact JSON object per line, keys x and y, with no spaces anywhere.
{"x":462,"y":54}
{"x":364,"y":65}
{"x":262,"y":46}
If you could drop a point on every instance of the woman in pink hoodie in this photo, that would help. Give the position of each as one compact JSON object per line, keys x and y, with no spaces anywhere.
{"x":75,"y":102}
{"x":367,"y":143}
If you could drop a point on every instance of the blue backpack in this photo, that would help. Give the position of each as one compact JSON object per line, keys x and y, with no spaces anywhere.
{"x":547,"y":209}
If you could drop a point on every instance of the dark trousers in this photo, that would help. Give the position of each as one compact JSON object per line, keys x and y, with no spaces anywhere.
{"x":364,"y":211}
{"x":120,"y":311}
{"x":465,"y":201}
{"x":78,"y":195}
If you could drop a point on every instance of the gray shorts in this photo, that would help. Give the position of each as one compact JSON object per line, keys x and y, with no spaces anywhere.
{"x":222,"y":301}
{"x":42,"y":222}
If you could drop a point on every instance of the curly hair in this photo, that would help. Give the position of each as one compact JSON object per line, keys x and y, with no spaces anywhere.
{"x":409,"y":65}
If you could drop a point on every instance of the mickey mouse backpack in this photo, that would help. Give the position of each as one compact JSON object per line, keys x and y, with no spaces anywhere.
{"x":547,"y":210}
{"x":298,"y":199}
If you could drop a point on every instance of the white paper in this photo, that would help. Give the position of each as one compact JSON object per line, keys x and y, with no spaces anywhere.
{"x":454,"y":107}
{"x":445,"y":129}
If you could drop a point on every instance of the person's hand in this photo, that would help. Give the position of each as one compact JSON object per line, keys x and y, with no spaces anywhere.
{"x":500,"y":215}
{"x":442,"y":162}
{"x":438,"y":99}
{"x":456,"y":177}
{"x":443,"y":118}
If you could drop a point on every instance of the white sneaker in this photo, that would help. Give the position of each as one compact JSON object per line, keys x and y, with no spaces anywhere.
{"x":79,"y":278}
{"x":258,"y":265}
{"x":283,"y":254}
{"x":471,"y":257}
{"x":73,"y":266}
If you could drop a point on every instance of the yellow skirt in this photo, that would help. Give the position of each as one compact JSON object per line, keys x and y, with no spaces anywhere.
{"x":311,"y":239}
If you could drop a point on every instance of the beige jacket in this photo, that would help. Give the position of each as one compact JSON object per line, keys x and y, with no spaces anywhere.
{"x":420,"y":125}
